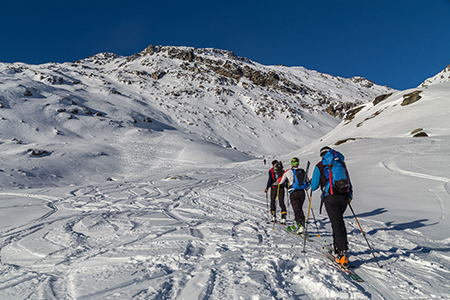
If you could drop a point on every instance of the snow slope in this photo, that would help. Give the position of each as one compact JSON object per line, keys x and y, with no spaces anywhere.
{"x":203,"y":94}
{"x":441,"y":77}
{"x":124,"y":207}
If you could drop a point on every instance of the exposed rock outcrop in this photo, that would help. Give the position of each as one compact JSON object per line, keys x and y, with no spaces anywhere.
{"x":411,"y":98}
{"x":381,"y":98}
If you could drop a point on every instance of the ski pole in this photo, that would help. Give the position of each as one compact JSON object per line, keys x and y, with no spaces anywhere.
{"x":287,"y":200}
{"x":314,"y":217}
{"x":310,"y":197}
{"x":309,"y":206}
{"x":364,"y":235}
{"x":278,"y":195}
{"x":267,"y":205}
{"x":306,"y":225}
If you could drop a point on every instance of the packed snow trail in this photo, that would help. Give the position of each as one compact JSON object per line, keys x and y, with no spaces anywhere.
{"x":176,"y":230}
{"x":195,"y":239}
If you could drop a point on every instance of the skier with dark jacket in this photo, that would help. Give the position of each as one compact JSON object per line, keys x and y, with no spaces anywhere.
{"x":276,"y":191}
{"x":335,"y":195}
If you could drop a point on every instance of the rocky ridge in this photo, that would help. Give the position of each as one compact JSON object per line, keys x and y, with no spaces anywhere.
{"x":227,"y":69}
{"x":209,"y":93}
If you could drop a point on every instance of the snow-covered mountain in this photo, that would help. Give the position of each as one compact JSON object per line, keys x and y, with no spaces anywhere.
{"x":118,"y":180}
{"x":196,"y":96}
{"x":441,"y":77}
{"x":417,"y":112}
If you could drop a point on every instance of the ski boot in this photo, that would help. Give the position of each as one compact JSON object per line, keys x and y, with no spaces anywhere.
{"x":274,"y":218}
{"x":300,"y":228}
{"x":283,"y":220}
{"x":342,"y":258}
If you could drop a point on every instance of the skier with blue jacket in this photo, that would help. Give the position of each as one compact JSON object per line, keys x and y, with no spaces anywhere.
{"x":332,"y":176}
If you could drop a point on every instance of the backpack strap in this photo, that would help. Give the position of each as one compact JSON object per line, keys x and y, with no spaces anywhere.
{"x":322,"y":180}
{"x":331,"y":181}
{"x":348,"y":177}
{"x":281,"y":177}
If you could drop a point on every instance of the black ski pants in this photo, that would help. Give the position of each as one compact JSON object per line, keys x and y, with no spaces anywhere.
{"x":297,"y":200}
{"x":274,"y":193}
{"x":336,"y":206}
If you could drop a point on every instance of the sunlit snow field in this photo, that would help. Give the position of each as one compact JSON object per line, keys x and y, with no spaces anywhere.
{"x":153,"y":212}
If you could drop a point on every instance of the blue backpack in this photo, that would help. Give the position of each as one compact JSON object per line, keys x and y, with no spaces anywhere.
{"x":300,"y":180}
{"x":336,"y":173}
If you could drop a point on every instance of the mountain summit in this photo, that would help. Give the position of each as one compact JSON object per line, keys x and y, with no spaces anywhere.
{"x":137,"y":178}
{"x":167,"y":94}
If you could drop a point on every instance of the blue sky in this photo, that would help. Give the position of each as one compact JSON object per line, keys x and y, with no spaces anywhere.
{"x":391,"y":42}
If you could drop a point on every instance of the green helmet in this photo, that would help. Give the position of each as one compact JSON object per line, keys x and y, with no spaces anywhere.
{"x":295,"y":161}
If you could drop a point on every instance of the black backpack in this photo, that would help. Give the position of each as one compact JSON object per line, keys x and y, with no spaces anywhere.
{"x":278,"y":170}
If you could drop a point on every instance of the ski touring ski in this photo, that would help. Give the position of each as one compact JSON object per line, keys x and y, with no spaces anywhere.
{"x":293,"y":230}
{"x":272,"y":222}
{"x":327,"y":250}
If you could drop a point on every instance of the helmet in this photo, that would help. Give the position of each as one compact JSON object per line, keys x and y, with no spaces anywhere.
{"x":324,"y":151}
{"x":295,"y":161}
{"x":278,"y":168}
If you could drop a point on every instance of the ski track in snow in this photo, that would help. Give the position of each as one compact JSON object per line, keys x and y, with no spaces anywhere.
{"x":440,"y":192}
{"x":199,"y":235}
{"x":390,"y":165}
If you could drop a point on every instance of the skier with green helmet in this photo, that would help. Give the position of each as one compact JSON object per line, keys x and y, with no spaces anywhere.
{"x":297,"y":181}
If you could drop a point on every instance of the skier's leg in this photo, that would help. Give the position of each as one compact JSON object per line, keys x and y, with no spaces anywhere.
{"x":281,"y":201}
{"x":297,"y":200}
{"x":273,"y":197}
{"x":334,"y":206}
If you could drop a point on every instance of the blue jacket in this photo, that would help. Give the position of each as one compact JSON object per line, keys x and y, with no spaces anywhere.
{"x":315,"y":180}
{"x":319,"y":180}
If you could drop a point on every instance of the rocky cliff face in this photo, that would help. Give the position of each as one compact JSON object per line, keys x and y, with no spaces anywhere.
{"x":234,"y":70}
{"x":212,"y":94}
